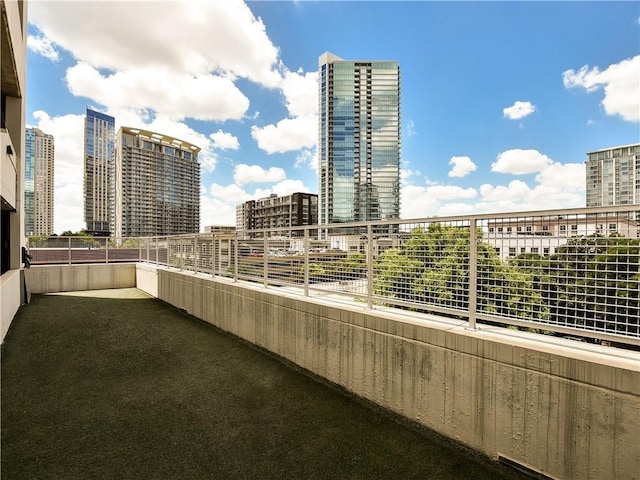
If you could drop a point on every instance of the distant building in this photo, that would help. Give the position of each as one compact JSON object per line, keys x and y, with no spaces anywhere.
{"x":156,"y":189}
{"x":220,"y":229}
{"x":39,"y":172}
{"x":613,"y":177}
{"x":99,"y":132}
{"x":244,"y":216}
{"x":295,"y":210}
{"x":543,"y":235}
{"x":359,"y":140}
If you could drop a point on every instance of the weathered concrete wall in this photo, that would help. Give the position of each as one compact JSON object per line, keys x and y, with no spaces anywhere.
{"x":68,"y":278}
{"x":565,"y":409}
{"x":10,"y":299}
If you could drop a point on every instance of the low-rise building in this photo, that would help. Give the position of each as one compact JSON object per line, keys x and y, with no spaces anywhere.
{"x":543,"y":235}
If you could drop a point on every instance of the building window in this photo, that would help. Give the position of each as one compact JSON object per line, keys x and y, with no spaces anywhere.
{"x":512,"y":251}
{"x":534,"y":249}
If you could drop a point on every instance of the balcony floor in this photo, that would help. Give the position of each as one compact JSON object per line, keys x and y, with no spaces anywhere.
{"x":115,"y":384}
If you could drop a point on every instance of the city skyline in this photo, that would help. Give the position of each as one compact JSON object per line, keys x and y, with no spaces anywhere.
{"x":500,"y":101}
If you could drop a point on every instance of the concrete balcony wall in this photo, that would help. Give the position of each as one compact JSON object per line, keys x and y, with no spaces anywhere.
{"x":8,"y":169}
{"x":558,"y":407}
{"x":10,"y":286}
{"x":68,"y":278}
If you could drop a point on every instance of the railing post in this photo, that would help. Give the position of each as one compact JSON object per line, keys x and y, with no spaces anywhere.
{"x":306,"y":261}
{"x":196,"y":257}
{"x":69,"y":243}
{"x":213,"y":254}
{"x":106,"y":250}
{"x":265,"y":263}
{"x":370,"y":266}
{"x":473,"y":272}
{"x":235,"y":258}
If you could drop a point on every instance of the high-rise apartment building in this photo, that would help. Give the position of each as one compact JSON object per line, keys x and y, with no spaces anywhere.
{"x":359,"y":140}
{"x":295,"y":210}
{"x":156,"y":185}
{"x":99,"y":130}
{"x":613,"y":177}
{"x":38,"y":188}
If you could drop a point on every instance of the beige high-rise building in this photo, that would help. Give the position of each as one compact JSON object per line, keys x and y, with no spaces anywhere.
{"x":613,"y":177}
{"x":39,"y":182}
{"x":156,"y":185}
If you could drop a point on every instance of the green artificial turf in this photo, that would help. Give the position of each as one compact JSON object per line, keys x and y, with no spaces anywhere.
{"x":114,"y":384}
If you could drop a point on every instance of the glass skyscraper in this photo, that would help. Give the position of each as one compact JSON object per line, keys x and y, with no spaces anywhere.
{"x":99,"y":134}
{"x":359,"y":140}
{"x":38,"y":185}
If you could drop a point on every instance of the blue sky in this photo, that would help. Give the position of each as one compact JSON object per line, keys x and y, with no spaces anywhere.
{"x":500,"y":100}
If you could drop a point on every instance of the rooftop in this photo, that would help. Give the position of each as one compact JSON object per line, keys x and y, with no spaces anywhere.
{"x":116,"y":384}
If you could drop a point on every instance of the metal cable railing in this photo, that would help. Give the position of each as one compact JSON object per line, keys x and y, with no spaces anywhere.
{"x":573,"y":272}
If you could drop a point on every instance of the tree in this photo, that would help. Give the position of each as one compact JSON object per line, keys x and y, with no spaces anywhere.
{"x":432,"y":268}
{"x":592,"y":281}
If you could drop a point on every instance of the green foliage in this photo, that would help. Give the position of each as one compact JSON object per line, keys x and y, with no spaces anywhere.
{"x":592,"y":281}
{"x":338,"y":268}
{"x":433,"y":269}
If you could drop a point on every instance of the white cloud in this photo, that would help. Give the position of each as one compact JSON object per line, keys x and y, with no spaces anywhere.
{"x":244,"y":174}
{"x":565,"y":177}
{"x":287,"y":135}
{"x":42,"y":46}
{"x":231,"y":193}
{"x":411,"y":128}
{"x":175,"y":94}
{"x":406,"y":174}
{"x":285,"y":187}
{"x":556,"y":186}
{"x":301,"y":92}
{"x":518,"y":110}
{"x":462,"y":166}
{"x":214,"y":211}
{"x":621,"y":82}
{"x":224,"y":140}
{"x":425,"y":201}
{"x":519,"y":162}
{"x":193,"y":50}
{"x":308,"y":158}
{"x":300,"y":129}
{"x":68,"y":131}
{"x":105,"y":36}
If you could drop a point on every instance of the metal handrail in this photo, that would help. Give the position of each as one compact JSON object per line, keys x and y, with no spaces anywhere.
{"x":572,"y":271}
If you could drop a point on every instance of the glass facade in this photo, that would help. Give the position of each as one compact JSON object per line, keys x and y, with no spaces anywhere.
{"x":359,"y":140}
{"x":29,"y":180}
{"x":38,"y":193}
{"x":99,"y":134}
